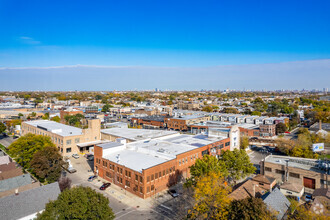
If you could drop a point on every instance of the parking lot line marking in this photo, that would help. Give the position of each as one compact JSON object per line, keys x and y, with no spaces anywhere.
{"x":123,"y":211}
{"x":160,"y":213}
{"x":125,"y":214}
{"x":165,"y":207}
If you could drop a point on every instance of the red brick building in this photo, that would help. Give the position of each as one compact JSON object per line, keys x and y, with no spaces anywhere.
{"x":147,"y":167}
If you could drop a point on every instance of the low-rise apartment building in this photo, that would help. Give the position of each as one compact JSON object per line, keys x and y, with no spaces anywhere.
{"x":65,"y":137}
{"x":147,"y":167}
{"x":182,"y":123}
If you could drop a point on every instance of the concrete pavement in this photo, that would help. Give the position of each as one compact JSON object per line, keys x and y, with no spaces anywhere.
{"x":124,"y":204}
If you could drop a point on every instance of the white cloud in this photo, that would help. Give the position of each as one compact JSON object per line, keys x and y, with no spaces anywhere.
{"x":28,"y":40}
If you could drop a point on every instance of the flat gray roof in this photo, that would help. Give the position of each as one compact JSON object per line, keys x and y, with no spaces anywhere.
{"x":137,"y":134}
{"x":54,"y":127}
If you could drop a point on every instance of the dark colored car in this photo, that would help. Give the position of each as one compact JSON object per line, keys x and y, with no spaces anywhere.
{"x":91,"y":178}
{"x":173,"y":193}
{"x":90,"y":157}
{"x":87,"y":155}
{"x":105,"y":186}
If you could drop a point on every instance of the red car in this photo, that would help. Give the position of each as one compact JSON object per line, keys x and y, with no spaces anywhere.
{"x":105,"y":186}
{"x":287,"y":132}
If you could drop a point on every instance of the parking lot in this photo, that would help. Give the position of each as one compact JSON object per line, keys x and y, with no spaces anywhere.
{"x":124,"y":204}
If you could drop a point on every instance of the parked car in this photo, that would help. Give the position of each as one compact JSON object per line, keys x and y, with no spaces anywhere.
{"x":76,"y":156}
{"x":91,"y":178}
{"x":87,"y":155}
{"x":72,"y":170}
{"x":90,"y":158}
{"x":287,"y":132}
{"x":105,"y":186}
{"x":308,"y":198}
{"x":173,"y":193}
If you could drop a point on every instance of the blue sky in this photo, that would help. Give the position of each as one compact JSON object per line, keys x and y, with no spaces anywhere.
{"x":161,"y":33}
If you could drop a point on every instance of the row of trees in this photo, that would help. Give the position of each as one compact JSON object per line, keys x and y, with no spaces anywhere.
{"x":38,"y":154}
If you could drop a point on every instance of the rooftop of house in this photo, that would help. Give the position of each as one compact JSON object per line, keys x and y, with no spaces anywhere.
{"x":5,"y":159}
{"x":297,"y":162}
{"x":246,"y":190}
{"x":189,"y":117}
{"x":275,"y":200}
{"x":15,"y":182}
{"x":28,"y":202}
{"x":292,"y":187}
{"x":137,"y":134}
{"x":264,"y":179}
{"x":55,"y":127}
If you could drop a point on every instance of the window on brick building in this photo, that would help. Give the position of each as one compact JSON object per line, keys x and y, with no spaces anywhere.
{"x":136,"y":177}
{"x":227,"y":143}
{"x":68,"y":150}
{"x":141,"y":181}
{"x":152,"y":177}
{"x":128,"y":184}
{"x":160,"y":174}
{"x":129,"y":174}
{"x":152,"y":187}
{"x":141,"y":189}
{"x":179,"y":162}
{"x":68,"y":142}
{"x":105,"y":163}
{"x":121,"y":170}
{"x":156,"y":175}
{"x":163,"y":172}
{"x":148,"y":179}
{"x":108,"y":174}
{"x":268,"y":169}
{"x":280,"y":171}
{"x":295,"y":175}
{"x":148,"y":189}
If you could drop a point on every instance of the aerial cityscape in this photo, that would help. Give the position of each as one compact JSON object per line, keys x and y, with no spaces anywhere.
{"x":164,"y":110}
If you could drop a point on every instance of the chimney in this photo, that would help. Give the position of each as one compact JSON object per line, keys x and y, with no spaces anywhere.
{"x":16,"y":192}
{"x":320,"y":125}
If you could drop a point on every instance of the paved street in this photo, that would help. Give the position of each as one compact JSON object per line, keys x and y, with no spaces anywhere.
{"x":124,"y":205}
{"x":6,"y":141}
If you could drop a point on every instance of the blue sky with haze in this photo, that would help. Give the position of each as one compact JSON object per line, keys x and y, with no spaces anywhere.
{"x":184,"y":35}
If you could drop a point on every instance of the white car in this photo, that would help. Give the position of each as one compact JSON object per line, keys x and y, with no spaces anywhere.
{"x":76,"y":156}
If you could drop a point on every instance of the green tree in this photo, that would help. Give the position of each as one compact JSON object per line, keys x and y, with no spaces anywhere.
{"x":244,"y":142}
{"x":2,"y":127}
{"x":47,"y":164}
{"x":106,"y":108}
{"x":56,"y":118}
{"x":207,"y":108}
{"x":203,"y":167}
{"x":256,"y":113}
{"x":237,"y":163}
{"x":26,"y":146}
{"x":280,"y":128}
{"x":78,"y":203}
{"x":46,"y":116}
{"x":249,"y":208}
{"x":230,"y":110}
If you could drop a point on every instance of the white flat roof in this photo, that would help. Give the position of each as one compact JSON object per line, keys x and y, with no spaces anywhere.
{"x":137,"y":134}
{"x":54,"y":127}
{"x":144,"y":154}
{"x":134,"y":160}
